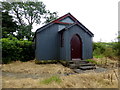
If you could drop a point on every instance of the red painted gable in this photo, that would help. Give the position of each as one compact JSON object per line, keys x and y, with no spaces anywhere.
{"x":67,"y":15}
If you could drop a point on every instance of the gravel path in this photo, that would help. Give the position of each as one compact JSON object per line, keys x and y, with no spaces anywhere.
{"x":26,"y":75}
{"x":37,"y":76}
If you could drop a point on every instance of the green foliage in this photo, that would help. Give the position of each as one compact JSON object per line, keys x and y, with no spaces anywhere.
{"x":98,"y":48}
{"x":51,"y":17}
{"x":8,"y":25}
{"x":52,"y":79}
{"x":92,"y":61}
{"x":24,"y":31}
{"x":102,"y":49}
{"x":14,"y":49}
{"x":98,"y":56}
{"x":109,"y":52}
{"x":26,"y":14}
{"x":117,"y":48}
{"x":30,"y":11}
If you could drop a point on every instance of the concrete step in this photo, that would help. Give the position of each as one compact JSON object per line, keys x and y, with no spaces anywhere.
{"x":81,"y":64}
{"x":77,"y":61}
{"x":73,"y":66}
{"x":87,"y":67}
{"x":78,"y":70}
{"x":87,"y":64}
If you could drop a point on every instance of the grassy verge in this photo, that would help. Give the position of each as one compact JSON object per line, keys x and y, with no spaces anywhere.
{"x":98,"y":56}
{"x":55,"y":79}
{"x":104,"y":61}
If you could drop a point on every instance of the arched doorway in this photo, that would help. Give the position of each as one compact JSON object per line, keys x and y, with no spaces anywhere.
{"x":76,"y":47}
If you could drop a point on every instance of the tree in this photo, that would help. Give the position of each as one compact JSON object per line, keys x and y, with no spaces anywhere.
{"x":8,"y":25}
{"x":26,"y":14}
{"x":50,"y":17}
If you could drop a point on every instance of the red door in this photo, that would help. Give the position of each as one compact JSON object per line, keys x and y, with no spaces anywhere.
{"x":76,"y":47}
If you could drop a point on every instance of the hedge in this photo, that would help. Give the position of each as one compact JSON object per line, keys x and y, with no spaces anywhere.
{"x":14,"y":49}
{"x":105,"y":49}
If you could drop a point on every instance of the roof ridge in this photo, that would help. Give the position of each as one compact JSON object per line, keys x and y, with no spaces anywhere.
{"x":62,"y":17}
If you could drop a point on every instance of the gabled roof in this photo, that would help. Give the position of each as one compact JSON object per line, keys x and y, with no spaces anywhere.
{"x":59,"y":20}
{"x":56,"y":21}
{"x":86,"y":30}
{"x":63,"y":17}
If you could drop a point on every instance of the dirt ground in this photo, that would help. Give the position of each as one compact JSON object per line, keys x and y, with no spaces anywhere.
{"x":30,"y":75}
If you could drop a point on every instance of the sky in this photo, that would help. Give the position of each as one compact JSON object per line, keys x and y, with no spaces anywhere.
{"x":99,"y":16}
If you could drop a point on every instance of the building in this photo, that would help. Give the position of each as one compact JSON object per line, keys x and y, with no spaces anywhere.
{"x":63,"y":39}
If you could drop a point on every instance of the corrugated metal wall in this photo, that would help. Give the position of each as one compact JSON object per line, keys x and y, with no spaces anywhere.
{"x":86,"y":43}
{"x":48,"y":43}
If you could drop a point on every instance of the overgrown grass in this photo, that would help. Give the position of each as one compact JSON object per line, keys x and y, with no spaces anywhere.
{"x":106,"y":79}
{"x":98,"y":56}
{"x":92,"y":61}
{"x":55,"y":79}
{"x":63,"y":62}
{"x":46,"y":61}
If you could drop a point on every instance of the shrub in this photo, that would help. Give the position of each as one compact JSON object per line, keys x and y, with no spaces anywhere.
{"x":97,"y":51}
{"x":109,"y":52}
{"x":102,"y":49}
{"x":117,"y":48}
{"x":98,"y":48}
{"x":14,"y":49}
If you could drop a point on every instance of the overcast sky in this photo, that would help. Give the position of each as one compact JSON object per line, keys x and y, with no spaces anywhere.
{"x":99,"y":16}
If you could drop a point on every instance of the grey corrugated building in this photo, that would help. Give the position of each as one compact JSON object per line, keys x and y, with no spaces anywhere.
{"x":63,"y":39}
